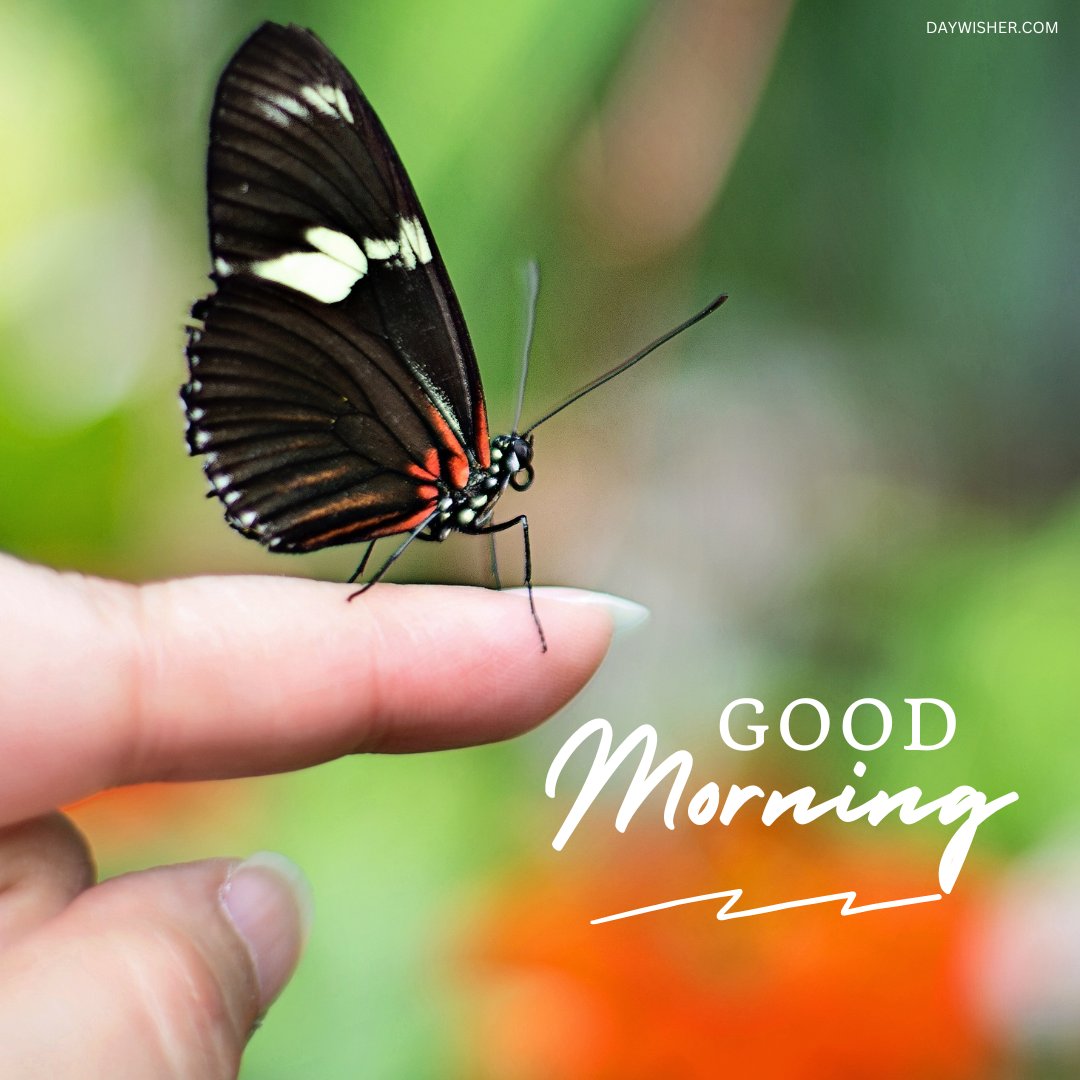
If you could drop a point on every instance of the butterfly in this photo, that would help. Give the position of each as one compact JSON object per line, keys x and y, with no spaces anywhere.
{"x":334,"y":394}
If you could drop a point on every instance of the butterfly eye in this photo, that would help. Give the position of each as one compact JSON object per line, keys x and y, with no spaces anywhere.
{"x":522,"y":449}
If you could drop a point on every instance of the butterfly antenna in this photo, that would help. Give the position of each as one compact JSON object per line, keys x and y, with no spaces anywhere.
{"x":620,"y":368}
{"x":532,"y":291}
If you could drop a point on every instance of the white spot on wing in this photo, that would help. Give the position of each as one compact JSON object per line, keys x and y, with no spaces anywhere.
{"x":413,"y":243}
{"x":329,"y":100}
{"x":222,"y":267}
{"x":201,"y":438}
{"x":273,"y":113}
{"x":381,"y":249}
{"x":338,"y":246}
{"x":326,"y":274}
{"x":317,"y":101}
{"x":343,"y":105}
{"x":248,"y":518}
{"x":289,"y":105}
{"x":309,"y":272}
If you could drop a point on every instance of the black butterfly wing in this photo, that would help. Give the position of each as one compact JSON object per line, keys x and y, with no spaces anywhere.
{"x":333,"y":384}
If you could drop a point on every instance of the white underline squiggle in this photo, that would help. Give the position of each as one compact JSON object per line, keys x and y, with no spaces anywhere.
{"x":733,"y":896}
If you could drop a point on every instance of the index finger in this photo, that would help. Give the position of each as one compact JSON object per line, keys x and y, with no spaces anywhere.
{"x":103,"y":683}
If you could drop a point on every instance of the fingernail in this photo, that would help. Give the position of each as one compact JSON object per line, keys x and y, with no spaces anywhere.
{"x":268,"y":901}
{"x":625,"y":614}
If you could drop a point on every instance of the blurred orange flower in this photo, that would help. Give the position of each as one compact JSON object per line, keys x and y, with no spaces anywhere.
{"x":152,"y":816}
{"x":796,"y":994}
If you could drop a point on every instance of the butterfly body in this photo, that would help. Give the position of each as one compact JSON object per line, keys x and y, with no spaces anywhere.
{"x":469,"y":509}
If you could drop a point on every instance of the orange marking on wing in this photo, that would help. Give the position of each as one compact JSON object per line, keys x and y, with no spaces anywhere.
{"x":457,"y":470}
{"x":307,"y":479}
{"x":429,"y":470}
{"x":372,"y":529}
{"x":455,"y":467}
{"x":357,"y":531}
{"x":411,"y":523}
{"x":483,"y":439}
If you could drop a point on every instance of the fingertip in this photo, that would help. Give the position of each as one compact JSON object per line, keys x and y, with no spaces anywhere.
{"x":186,"y":972}
{"x":269,"y":903}
{"x":624,"y":615}
{"x":475,"y":669}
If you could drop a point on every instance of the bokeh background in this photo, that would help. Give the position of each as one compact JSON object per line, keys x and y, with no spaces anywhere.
{"x":859,"y":479}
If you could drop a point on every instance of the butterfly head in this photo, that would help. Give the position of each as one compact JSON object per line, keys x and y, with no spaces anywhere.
{"x":511,"y":456}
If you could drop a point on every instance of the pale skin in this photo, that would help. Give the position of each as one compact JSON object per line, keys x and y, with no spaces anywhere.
{"x":104,"y":684}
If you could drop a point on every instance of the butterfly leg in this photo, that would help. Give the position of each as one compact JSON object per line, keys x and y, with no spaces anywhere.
{"x":523,"y":521}
{"x":359,"y":571}
{"x":381,"y":572}
{"x":495,"y":563}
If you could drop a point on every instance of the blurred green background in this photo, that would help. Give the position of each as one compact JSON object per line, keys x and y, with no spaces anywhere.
{"x":859,"y":479}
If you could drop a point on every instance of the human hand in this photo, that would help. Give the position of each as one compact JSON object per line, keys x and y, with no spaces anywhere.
{"x":165,"y":972}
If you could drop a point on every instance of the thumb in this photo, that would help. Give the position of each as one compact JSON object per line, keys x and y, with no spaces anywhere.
{"x":162,"y":973}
